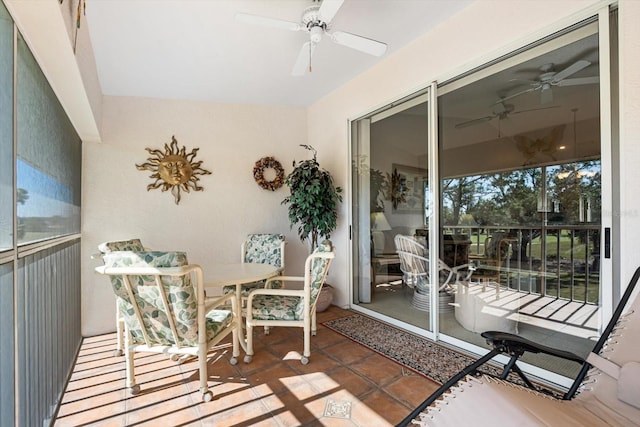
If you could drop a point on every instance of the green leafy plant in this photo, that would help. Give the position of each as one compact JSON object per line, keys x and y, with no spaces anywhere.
{"x":313,"y":200}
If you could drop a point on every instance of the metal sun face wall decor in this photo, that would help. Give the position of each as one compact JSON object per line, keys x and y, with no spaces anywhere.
{"x":174,"y":169}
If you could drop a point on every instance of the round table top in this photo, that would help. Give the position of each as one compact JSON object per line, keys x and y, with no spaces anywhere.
{"x":239,"y":273}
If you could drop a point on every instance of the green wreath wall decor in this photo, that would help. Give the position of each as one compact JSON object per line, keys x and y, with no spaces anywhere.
{"x":264,"y":164}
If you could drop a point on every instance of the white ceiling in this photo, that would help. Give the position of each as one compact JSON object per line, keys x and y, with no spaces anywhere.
{"x":196,"y":50}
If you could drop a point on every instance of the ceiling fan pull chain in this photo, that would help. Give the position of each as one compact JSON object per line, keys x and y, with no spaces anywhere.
{"x":310,"y":43}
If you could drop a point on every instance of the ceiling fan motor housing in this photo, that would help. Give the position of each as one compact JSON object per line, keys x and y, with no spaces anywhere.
{"x":315,"y":25}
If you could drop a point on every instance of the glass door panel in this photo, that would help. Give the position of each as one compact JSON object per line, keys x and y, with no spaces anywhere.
{"x":390,"y":169}
{"x":520,"y":178}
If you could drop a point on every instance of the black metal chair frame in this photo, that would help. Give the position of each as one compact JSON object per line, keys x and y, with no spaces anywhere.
{"x":515,"y":346}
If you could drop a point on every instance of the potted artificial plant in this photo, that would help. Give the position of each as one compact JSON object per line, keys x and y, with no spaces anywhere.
{"x":313,"y":200}
{"x":313,"y":207}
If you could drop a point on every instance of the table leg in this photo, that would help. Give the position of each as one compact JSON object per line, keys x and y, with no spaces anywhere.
{"x":242,"y":339}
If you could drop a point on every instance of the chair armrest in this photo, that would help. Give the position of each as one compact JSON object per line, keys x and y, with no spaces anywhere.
{"x":281,"y":291}
{"x":213,"y":302}
{"x":283,"y":279}
{"x":471,"y":267}
{"x":515,"y":344}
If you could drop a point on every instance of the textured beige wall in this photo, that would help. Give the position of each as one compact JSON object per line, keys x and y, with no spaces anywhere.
{"x":209,"y":225}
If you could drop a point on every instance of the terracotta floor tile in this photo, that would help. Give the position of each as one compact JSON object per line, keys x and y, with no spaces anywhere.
{"x":289,"y":410}
{"x":349,"y":380}
{"x":378,"y":369}
{"x":167,"y":410}
{"x":277,"y":378}
{"x":251,"y":413}
{"x":105,"y":409}
{"x":259,"y":361}
{"x":158,"y":393}
{"x":325,"y":338}
{"x":108,"y":366}
{"x":87,"y":385}
{"x":275,"y":389}
{"x":378,"y":409}
{"x":319,"y":361}
{"x":227,"y":398}
{"x":348,"y":352}
{"x":412,"y":389}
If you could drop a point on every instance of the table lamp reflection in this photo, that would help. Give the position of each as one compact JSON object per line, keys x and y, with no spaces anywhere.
{"x":379,"y":225}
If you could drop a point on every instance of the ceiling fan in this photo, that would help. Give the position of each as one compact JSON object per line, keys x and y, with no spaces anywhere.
{"x":549,"y":78}
{"x":316,"y":20}
{"x":501,"y":111}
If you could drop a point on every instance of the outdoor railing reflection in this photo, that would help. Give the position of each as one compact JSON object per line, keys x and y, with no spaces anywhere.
{"x":556,"y":260}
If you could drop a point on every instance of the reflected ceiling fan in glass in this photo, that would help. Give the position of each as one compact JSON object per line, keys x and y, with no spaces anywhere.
{"x":549,"y":78}
{"x":316,"y":21}
{"x":501,"y":110}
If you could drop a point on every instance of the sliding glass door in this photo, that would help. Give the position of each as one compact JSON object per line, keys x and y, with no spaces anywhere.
{"x":482,"y":209}
{"x":521,"y":170}
{"x":391,"y":201}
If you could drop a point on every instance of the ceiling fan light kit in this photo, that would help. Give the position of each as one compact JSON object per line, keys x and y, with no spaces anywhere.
{"x":316,"y":20}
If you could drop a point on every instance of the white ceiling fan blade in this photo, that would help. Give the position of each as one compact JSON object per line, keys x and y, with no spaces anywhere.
{"x":303,"y":62}
{"x":474,"y":122}
{"x":535,"y":109}
{"x":571,"y":69}
{"x":328,"y":9}
{"x":517,"y":94}
{"x":268,"y":22}
{"x":579,"y":81}
{"x":363,"y":44}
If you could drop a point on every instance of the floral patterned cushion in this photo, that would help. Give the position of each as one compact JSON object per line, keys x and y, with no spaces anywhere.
{"x":264,"y":249}
{"x":318,"y":267}
{"x":260,"y":249}
{"x":123,"y":245}
{"x":180,"y":293}
{"x":278,"y":307}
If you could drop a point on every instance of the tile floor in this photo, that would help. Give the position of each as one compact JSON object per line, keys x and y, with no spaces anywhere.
{"x":344,"y":384}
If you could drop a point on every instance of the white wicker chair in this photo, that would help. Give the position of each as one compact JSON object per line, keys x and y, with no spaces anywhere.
{"x":414,"y":264}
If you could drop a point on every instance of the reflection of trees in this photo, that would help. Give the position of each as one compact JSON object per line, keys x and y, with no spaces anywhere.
{"x":511,"y":198}
{"x":22,"y":197}
{"x":459,"y":194}
{"x":571,"y":183}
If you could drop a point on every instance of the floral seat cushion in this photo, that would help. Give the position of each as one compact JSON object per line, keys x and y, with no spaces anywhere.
{"x":260,"y":249}
{"x":276,"y":307}
{"x":280,"y":307}
{"x":181,"y":297}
